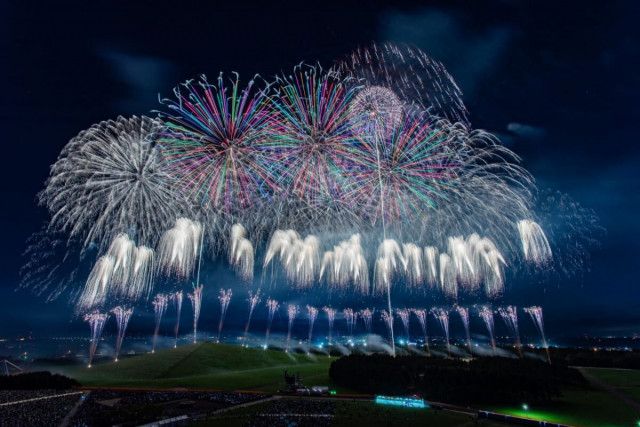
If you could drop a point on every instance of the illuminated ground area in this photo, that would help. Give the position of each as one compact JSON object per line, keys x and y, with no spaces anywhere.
{"x":229,"y":367}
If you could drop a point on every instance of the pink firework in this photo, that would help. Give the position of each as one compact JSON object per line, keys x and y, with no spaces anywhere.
{"x":486,"y":314}
{"x":331,"y":317}
{"x":122,"y":315}
{"x":196,"y":303}
{"x":159,"y":307}
{"x":509,"y":315}
{"x":253,"y":300}
{"x":463,"y":312}
{"x":350,"y":317}
{"x":96,"y":321}
{"x":536,"y":317}
{"x":388,"y":320}
{"x":312,"y":314}
{"x":403,"y":314}
{"x":272,"y":306}
{"x":442,"y":316}
{"x":177,"y":298}
{"x":367,"y":316}
{"x":421,"y":314}
{"x":225,"y":299}
{"x":292,"y":312}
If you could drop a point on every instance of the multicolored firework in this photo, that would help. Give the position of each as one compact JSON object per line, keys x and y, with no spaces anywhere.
{"x":96,"y":321}
{"x":225,"y":299}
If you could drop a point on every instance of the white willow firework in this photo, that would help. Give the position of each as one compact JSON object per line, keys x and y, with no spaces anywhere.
{"x":253,"y":300}
{"x":535,"y":246}
{"x":241,"y":253}
{"x":179,"y":248}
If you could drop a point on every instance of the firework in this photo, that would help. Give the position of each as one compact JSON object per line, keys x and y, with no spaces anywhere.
{"x":312,"y":314}
{"x":509,"y":315}
{"x":350,"y":316}
{"x":112,"y":179}
{"x":442,"y":316}
{"x":96,"y":321}
{"x":331,"y":317}
{"x":196,"y":303}
{"x":159,"y":307}
{"x":292,"y":312}
{"x":389,"y":262}
{"x":179,"y":248}
{"x":241,"y":252}
{"x":132,"y":269}
{"x":367,"y":316}
{"x":216,"y":143}
{"x":431,"y":260}
{"x":225,"y":299}
{"x":401,"y":74}
{"x":421,"y":314}
{"x":535,"y":246}
{"x":299,"y":258}
{"x":448,"y":281}
{"x":463,"y":312}
{"x":413,"y":264}
{"x":253,"y":300}
{"x":346,"y":264}
{"x":535,"y":312}
{"x":177,"y":298}
{"x":122,"y":316}
{"x":96,"y":288}
{"x":486,"y":314}
{"x":403,"y":314}
{"x":388,"y":321}
{"x":272,"y":306}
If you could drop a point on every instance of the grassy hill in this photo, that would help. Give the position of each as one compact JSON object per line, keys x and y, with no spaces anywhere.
{"x":205,"y":365}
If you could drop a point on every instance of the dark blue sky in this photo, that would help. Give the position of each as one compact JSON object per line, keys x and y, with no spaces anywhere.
{"x":558,"y":81}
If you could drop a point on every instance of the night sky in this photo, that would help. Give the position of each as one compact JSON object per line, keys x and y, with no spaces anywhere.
{"x":558,"y":82}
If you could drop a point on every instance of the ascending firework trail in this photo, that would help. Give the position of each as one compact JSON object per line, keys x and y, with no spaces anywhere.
{"x":225,"y":299}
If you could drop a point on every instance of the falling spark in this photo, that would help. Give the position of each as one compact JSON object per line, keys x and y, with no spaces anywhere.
{"x":272,"y":306}
{"x":535,"y":245}
{"x":159,"y":307}
{"x":253,"y":300}
{"x":312,"y":314}
{"x":421,"y":314}
{"x":196,"y":303}
{"x":486,"y":314}
{"x":388,"y":320}
{"x":331,"y":317}
{"x":536,"y":317}
{"x":403,"y":314}
{"x":292,"y":312}
{"x":442,"y":316}
{"x":122,"y":315}
{"x":510,"y":316}
{"x":463,"y":312}
{"x":225,"y":299}
{"x":350,"y":317}
{"x":177,"y":298}
{"x":367,"y":317}
{"x":96,"y":322}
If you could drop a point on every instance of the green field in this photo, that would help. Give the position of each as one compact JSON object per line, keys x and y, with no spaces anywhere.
{"x":206,"y":365}
{"x":229,"y":367}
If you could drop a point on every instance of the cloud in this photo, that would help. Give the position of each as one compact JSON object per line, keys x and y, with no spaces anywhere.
{"x":469,"y":55}
{"x":526,"y":131}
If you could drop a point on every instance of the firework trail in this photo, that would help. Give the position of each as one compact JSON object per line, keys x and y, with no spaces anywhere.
{"x":388,"y":263}
{"x":486,"y":314}
{"x":112,"y":179}
{"x":403,"y":314}
{"x":331,"y":317}
{"x":179,"y":247}
{"x":350,"y":317}
{"x":96,"y":321}
{"x":431,"y":262}
{"x":312,"y":314}
{"x":122,"y":315}
{"x":216,"y":143}
{"x":196,"y":303}
{"x":421,"y":314}
{"x":535,"y":312}
{"x":241,"y":253}
{"x":299,"y":257}
{"x":509,"y":315}
{"x":253,"y":300}
{"x":535,"y":245}
{"x":463,"y":312}
{"x":292,"y":312}
{"x":367,"y":316}
{"x":160,"y":303}
{"x":177,"y":298}
{"x":272,"y":306}
{"x":388,"y":321}
{"x":225,"y":299}
{"x":442,"y":316}
{"x":346,"y":265}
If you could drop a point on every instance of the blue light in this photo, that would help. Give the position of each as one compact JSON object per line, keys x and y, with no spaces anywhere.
{"x":406,"y":402}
